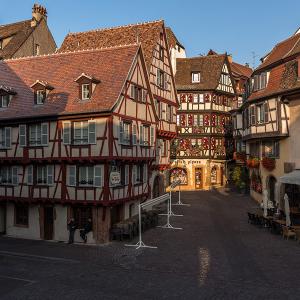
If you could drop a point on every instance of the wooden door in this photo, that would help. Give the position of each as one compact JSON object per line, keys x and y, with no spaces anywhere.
{"x":198,"y":178}
{"x":48,"y":222}
{"x":116,"y":214}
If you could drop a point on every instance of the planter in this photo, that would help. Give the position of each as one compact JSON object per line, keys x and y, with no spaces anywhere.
{"x":253,"y":163}
{"x":268,"y":163}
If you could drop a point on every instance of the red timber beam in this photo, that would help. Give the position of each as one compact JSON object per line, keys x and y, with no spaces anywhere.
{"x":166,"y":134}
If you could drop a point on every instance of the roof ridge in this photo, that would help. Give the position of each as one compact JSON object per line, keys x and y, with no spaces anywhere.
{"x":4,"y":25}
{"x":116,"y":27}
{"x":204,"y":56}
{"x":71,"y":52}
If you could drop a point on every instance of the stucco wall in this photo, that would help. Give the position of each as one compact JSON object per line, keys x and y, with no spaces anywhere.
{"x":30,"y":232}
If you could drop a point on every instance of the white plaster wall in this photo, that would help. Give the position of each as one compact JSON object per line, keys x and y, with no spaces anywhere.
{"x":30,"y":232}
{"x":60,"y":223}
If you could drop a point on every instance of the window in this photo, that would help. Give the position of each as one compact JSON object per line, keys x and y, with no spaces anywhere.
{"x":44,"y":175}
{"x":81,"y":133}
{"x":271,"y":149}
{"x":162,"y":79}
{"x":145,"y":138}
{"x":9,"y":175}
{"x":137,"y":174}
{"x":169,"y":113}
{"x":198,"y":120}
{"x":260,"y":81}
{"x":5,"y":138}
{"x":85,"y":91}
{"x":84,"y":132}
{"x":254,"y":149}
{"x":40,"y":96}
{"x":37,"y":49}
{"x":195,"y":77}
{"x":4,"y":100}
{"x":161,"y":53}
{"x":87,"y":176}
{"x":38,"y":134}
{"x":198,"y":98}
{"x":252,"y":115}
{"x":260,"y":114}
{"x":138,"y":93}
{"x":21,"y":214}
{"x":125,"y":133}
{"x":22,"y":135}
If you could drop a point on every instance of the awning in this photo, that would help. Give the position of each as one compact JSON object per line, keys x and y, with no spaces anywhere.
{"x":291,"y":178}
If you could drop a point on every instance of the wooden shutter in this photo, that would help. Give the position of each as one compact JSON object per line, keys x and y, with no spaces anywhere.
{"x":121,"y":132}
{"x":132,"y":91}
{"x":30,"y":175}
{"x":7,"y":137}
{"x":22,"y":135}
{"x":158,"y":77}
{"x":92,"y":132}
{"x":67,"y":132}
{"x":126,"y":181}
{"x":50,"y":174}
{"x":266,"y":112}
{"x":165,"y":81}
{"x":141,"y":135}
{"x":45,"y":138}
{"x":144,"y":96}
{"x":98,"y":181}
{"x":151,"y":136}
{"x":134,"y":139}
{"x":72,"y":176}
{"x":15,"y":179}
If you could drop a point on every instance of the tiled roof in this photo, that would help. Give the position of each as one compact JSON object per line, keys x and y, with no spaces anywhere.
{"x":281,"y":51}
{"x":210,"y":68}
{"x":19,"y":32}
{"x":172,"y":39}
{"x":282,"y":79}
{"x":241,"y":69}
{"x":145,"y":33}
{"x":110,"y":66}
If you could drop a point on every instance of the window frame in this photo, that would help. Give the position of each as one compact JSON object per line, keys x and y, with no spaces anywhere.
{"x":23,"y":220}
{"x":196,"y":75}
{"x":83,"y":91}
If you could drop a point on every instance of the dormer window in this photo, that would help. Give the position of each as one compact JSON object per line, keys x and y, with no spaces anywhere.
{"x":85,"y":91}
{"x":41,"y":89}
{"x":195,"y":77}
{"x":87,"y":85}
{"x":40,"y":97}
{"x":4,"y":100}
{"x":6,"y":94}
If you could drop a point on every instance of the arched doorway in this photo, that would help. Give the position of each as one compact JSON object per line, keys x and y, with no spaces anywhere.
{"x":271,"y":189}
{"x":157,"y":187}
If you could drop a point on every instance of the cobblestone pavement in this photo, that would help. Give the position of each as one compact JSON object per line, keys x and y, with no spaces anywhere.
{"x":217,"y":255}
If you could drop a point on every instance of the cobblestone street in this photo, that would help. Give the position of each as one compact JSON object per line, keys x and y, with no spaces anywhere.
{"x":217,"y":255}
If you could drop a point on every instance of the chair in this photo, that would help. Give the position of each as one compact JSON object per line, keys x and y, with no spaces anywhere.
{"x":288,"y":233}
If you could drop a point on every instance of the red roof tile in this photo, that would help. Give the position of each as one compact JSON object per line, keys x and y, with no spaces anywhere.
{"x":241,"y":69}
{"x":110,"y":66}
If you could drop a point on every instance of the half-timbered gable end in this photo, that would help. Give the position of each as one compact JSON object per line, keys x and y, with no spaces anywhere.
{"x":81,"y":129}
{"x":153,"y":39}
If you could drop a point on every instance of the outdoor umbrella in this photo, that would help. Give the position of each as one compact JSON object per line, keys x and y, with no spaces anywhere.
{"x":287,"y":210}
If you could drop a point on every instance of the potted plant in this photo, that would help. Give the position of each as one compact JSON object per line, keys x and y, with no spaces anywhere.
{"x":268,"y":163}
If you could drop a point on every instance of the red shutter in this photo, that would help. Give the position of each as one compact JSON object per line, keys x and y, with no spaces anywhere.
{"x":190,"y":120}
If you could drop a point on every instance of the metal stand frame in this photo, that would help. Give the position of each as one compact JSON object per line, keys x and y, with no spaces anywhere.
{"x":179,"y":198}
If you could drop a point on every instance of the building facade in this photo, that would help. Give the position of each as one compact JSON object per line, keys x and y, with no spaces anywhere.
{"x":27,"y":38}
{"x":266,"y":126}
{"x":154,"y":42}
{"x":206,"y":91}
{"x":78,"y":139}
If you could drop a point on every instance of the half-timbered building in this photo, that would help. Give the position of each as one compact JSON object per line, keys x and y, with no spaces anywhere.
{"x":78,"y":139}
{"x":28,"y":37}
{"x":206,"y":92}
{"x":154,"y":42}
{"x":267,"y":124}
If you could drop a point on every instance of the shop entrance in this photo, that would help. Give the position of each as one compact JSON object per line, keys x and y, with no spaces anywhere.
{"x":48,"y":222}
{"x":198,"y":178}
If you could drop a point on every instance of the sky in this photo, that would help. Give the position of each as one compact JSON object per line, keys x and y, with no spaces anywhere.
{"x":246,"y":29}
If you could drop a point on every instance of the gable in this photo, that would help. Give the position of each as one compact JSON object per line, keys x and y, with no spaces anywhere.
{"x":225,"y":80}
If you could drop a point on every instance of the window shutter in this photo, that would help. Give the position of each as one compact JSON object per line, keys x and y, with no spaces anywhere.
{"x":134,"y":174}
{"x":121,"y":131}
{"x":145,"y":173}
{"x":45,"y":134}
{"x":72,"y":176}
{"x":15,"y":179}
{"x":126,"y":175}
{"x":158,"y":77}
{"x":266,"y":112}
{"x":141,"y":135}
{"x":7,"y":137}
{"x":98,"y":176}
{"x":30,"y":175}
{"x":22,"y":135}
{"x":165,"y":81}
{"x":151,"y":136}
{"x":133,"y":134}
{"x":92,"y":132}
{"x":50,"y":174}
{"x":132,"y":91}
{"x":144,"y":96}
{"x":67,"y":133}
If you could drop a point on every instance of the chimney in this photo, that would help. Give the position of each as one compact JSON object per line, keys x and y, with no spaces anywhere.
{"x":229,"y":56}
{"x":38,"y":13}
{"x":247,"y":65}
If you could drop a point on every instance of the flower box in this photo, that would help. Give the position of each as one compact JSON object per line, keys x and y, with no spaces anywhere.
{"x":268,"y":163}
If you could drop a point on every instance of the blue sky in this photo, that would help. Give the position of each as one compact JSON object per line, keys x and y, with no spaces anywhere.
{"x":238,"y":27}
